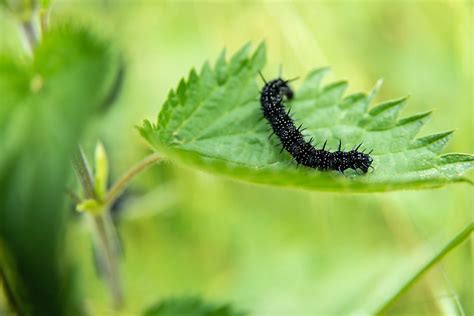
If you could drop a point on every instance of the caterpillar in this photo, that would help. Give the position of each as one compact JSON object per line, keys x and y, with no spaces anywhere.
{"x":303,"y":152}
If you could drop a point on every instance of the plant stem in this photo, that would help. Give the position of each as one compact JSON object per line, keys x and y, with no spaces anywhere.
{"x":108,"y":247}
{"x":103,"y":229}
{"x":83,"y":173}
{"x":120,"y":185}
{"x":31,"y":34}
{"x":453,"y":243}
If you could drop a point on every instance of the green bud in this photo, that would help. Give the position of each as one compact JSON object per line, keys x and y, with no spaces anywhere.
{"x":101,"y":171}
{"x":90,"y":206}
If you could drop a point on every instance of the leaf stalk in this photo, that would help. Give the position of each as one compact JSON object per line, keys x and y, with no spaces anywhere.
{"x":122,"y":183}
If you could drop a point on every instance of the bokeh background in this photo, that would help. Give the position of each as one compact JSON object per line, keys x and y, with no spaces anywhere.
{"x":274,"y":251}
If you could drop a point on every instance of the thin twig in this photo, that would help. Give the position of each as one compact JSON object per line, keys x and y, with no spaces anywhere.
{"x":108,"y":246}
{"x":120,"y":185}
{"x":453,"y":243}
{"x":106,"y":237}
{"x":83,"y":173}
{"x":30,"y":34}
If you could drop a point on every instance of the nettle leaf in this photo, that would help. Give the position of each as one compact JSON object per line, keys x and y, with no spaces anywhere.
{"x":213,"y":121}
{"x":190,"y":306}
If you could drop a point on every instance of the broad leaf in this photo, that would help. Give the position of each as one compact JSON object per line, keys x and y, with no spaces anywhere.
{"x":213,"y":121}
{"x":190,"y":306}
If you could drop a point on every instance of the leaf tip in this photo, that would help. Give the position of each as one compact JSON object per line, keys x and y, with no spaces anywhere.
{"x":387,"y":105}
{"x":146,"y":128}
{"x":259,"y":56}
{"x":375,"y":90}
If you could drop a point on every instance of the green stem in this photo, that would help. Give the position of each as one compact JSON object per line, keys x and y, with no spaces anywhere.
{"x":107,"y":245}
{"x":31,"y":34}
{"x":121,"y":184}
{"x":81,"y":166}
{"x":453,"y":243}
{"x":103,"y":230}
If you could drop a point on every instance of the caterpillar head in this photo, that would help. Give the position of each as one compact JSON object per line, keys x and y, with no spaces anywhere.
{"x":359,"y":160}
{"x":283,"y":88}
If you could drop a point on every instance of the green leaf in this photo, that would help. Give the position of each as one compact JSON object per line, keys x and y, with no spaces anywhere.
{"x":213,"y":121}
{"x":408,"y":271}
{"x":45,"y":105}
{"x":190,"y":306}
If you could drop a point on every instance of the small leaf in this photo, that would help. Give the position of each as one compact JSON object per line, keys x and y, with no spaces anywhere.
{"x":214,"y":122}
{"x":190,"y":306}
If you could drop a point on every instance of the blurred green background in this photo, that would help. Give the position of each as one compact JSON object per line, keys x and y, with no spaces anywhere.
{"x":267,"y":250}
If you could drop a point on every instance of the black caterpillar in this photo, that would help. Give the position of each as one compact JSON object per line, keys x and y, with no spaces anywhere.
{"x":292,"y":140}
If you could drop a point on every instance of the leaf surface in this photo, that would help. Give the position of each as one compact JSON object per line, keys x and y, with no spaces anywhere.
{"x":213,"y":121}
{"x":190,"y":306}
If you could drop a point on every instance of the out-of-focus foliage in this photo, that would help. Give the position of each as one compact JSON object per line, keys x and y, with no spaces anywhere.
{"x":271,"y":250}
{"x":45,"y":104}
{"x":190,"y":306}
{"x":23,"y":9}
{"x":213,"y":120}
{"x":409,"y":270}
